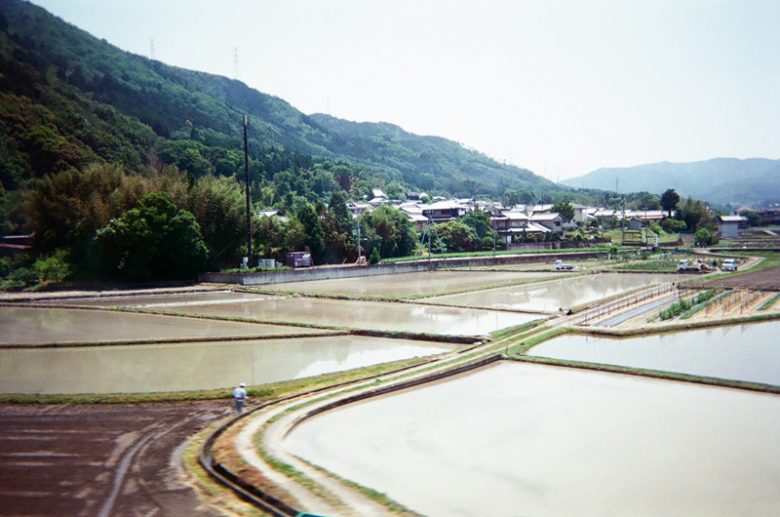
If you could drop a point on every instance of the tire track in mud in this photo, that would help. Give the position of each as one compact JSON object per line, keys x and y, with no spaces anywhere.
{"x":86,"y":460}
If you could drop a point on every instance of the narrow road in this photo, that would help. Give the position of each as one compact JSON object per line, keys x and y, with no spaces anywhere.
{"x":614,"y":321}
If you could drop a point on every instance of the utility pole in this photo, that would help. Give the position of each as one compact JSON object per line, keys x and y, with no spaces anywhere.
{"x":357,"y":221}
{"x":623,"y":223}
{"x":493,"y":220}
{"x":248,"y":195}
{"x":430,"y":240}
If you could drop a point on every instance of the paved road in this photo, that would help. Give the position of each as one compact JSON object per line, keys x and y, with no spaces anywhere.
{"x":624,"y":316}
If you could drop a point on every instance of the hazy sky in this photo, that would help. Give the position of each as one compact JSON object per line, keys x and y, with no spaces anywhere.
{"x":560,"y":87}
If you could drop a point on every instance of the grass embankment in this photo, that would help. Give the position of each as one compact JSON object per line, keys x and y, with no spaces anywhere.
{"x":300,"y":477}
{"x":212,"y":493}
{"x":257,"y":393}
{"x":769,"y":303}
{"x":498,"y":253}
{"x":519,"y":352}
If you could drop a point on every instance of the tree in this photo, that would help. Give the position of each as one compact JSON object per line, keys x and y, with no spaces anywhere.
{"x":389,"y":230}
{"x":457,"y":236}
{"x":704,"y":237}
{"x":669,"y":200}
{"x":565,"y":210}
{"x":695,"y":214}
{"x":312,"y":226}
{"x":219,"y":207}
{"x":155,"y":240}
{"x":481,"y":223}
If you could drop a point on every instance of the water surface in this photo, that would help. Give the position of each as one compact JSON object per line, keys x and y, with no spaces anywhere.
{"x":521,"y":439}
{"x":35,"y":325}
{"x":555,"y":294}
{"x":411,"y":284}
{"x":385,"y":316}
{"x":192,"y":366}
{"x":738,"y":352}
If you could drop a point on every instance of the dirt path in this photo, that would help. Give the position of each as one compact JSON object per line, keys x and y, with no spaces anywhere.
{"x":99,"y":460}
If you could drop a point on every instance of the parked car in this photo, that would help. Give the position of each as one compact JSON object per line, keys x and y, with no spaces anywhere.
{"x":729,"y":265}
{"x":688,"y":266}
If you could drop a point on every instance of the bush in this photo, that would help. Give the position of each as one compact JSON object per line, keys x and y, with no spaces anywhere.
{"x":673,"y":225}
{"x":53,"y":268}
{"x":374,"y":258}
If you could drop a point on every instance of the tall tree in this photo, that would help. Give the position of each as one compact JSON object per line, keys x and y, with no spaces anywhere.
{"x":669,"y":200}
{"x":315,"y":236}
{"x":155,"y":240}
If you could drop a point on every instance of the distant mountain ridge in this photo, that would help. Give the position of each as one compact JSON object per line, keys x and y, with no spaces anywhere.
{"x":75,"y":98}
{"x":725,"y":181}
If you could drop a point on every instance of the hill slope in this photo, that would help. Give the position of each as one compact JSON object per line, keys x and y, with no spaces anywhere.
{"x":67,"y":98}
{"x":720,"y":180}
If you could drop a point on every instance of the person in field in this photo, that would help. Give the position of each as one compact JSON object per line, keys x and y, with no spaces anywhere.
{"x":239,"y":398}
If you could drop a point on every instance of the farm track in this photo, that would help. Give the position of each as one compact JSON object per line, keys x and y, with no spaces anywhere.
{"x":85,"y":460}
{"x":260,"y":436}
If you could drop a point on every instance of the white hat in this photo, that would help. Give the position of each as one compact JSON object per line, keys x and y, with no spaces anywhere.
{"x":241,"y":385}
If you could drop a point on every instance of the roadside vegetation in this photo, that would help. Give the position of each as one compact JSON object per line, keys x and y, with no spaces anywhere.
{"x":685,"y":305}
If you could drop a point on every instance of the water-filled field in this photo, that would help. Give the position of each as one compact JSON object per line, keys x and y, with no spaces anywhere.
{"x":521,"y":439}
{"x":192,"y":366}
{"x":407,"y":285}
{"x":555,"y":294}
{"x":385,"y":316}
{"x":739,"y":352}
{"x":35,"y":325}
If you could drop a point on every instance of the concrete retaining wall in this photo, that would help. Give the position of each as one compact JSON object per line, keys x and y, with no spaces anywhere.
{"x":351,"y":271}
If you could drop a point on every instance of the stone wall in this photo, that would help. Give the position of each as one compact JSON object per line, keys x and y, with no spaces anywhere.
{"x":351,"y":271}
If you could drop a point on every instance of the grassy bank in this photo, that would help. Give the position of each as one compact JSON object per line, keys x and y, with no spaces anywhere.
{"x":257,"y":393}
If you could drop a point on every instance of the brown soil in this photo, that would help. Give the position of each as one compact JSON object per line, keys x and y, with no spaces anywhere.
{"x":766,"y":279}
{"x":99,"y":460}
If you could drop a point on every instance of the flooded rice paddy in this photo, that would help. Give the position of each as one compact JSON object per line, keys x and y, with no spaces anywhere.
{"x":194,"y":366}
{"x":408,"y":285}
{"x":521,"y":439}
{"x":36,"y":325}
{"x":739,"y":352}
{"x":382,"y":316}
{"x":555,"y":294}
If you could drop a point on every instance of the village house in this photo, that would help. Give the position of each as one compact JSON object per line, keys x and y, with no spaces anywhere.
{"x":732,"y":225}
{"x":442,"y":211}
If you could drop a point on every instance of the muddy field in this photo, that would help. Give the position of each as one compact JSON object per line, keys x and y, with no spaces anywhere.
{"x":99,"y":460}
{"x":766,"y":279}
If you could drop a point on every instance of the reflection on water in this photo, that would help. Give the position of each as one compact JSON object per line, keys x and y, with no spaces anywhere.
{"x":521,"y":439}
{"x":365,"y":315}
{"x":555,"y":294}
{"x":146,"y":368}
{"x":410,"y":284}
{"x":31,"y":325}
{"x":738,"y":352}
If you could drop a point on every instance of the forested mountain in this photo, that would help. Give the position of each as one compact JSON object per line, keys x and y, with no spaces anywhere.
{"x":68,"y":99}
{"x":721,"y":180}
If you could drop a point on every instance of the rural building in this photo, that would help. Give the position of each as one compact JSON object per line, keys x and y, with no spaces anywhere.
{"x":442,"y":211}
{"x":550,"y":220}
{"x":732,"y":225}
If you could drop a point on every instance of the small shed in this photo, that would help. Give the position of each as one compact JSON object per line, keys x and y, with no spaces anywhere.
{"x":732,"y":225}
{"x":298,"y":259}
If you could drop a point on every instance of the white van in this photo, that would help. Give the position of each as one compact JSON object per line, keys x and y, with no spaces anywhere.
{"x":729,"y":265}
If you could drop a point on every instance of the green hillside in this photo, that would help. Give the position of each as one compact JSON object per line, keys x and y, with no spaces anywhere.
{"x":68,"y":99}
